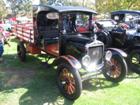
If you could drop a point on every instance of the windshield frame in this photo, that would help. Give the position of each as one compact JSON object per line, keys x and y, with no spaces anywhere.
{"x":75,"y":13}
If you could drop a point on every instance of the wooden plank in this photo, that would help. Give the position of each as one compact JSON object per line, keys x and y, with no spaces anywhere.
{"x":24,"y":32}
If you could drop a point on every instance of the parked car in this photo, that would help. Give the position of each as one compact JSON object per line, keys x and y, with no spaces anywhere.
{"x":109,"y":24}
{"x":77,"y":56}
{"x":126,"y":36}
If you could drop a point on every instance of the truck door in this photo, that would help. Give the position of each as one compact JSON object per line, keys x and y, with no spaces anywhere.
{"x":48,"y":30}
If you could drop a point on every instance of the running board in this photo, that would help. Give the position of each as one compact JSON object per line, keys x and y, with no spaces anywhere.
{"x":90,"y":75}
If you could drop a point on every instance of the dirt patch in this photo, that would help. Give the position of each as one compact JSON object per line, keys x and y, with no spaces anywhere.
{"x":14,"y":77}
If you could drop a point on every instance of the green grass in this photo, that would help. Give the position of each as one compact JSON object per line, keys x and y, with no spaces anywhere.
{"x":32,"y":83}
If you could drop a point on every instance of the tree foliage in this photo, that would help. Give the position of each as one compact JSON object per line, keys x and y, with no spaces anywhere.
{"x":20,"y":6}
{"x":3,"y":10}
{"x":111,"y":5}
{"x":101,"y":6}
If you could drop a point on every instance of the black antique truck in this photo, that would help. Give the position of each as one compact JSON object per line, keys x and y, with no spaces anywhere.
{"x":124,"y":35}
{"x":128,"y":33}
{"x":54,"y":31}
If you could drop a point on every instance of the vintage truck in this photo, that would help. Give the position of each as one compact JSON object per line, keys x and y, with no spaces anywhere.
{"x":78,"y":57}
{"x":125,"y":35}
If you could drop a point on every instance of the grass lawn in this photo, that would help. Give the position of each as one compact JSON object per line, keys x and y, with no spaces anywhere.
{"x":34,"y":83}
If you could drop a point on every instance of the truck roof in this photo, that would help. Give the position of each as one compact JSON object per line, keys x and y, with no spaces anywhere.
{"x":125,"y":11}
{"x":61,"y":9}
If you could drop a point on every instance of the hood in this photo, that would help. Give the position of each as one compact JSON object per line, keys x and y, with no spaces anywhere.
{"x":79,"y":39}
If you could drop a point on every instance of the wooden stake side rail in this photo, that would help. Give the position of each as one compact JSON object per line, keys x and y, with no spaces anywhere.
{"x":24,"y":32}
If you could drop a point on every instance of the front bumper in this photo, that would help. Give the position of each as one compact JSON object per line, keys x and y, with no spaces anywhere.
{"x":93,"y":73}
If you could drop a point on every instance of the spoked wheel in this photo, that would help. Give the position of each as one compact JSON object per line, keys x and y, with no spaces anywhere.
{"x":21,"y":51}
{"x":69,"y":81}
{"x":134,"y":61}
{"x":116,"y":69}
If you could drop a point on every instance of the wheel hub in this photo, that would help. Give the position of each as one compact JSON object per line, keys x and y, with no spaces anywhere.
{"x":113,"y":67}
{"x":67,"y":81}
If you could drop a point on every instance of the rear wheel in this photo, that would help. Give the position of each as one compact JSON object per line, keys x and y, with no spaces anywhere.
{"x":134,"y":60}
{"x":69,"y":81}
{"x":116,"y":69}
{"x":21,"y":51}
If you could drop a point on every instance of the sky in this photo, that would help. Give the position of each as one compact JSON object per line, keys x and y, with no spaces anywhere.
{"x":36,"y":2}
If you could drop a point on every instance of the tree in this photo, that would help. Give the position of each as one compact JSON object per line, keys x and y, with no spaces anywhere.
{"x":20,"y":6}
{"x":111,"y":5}
{"x":3,"y":10}
{"x":101,"y":6}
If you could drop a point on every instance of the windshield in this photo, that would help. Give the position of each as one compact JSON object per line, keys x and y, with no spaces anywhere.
{"x":132,"y":20}
{"x":107,"y":23}
{"x":76,"y":22}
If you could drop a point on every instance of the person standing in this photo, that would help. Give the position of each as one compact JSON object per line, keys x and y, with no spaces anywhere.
{"x":1,"y":46}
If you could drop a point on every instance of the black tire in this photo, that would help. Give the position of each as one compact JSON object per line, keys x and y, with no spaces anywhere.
{"x":134,"y":61}
{"x":117,"y":71}
{"x":70,"y":85}
{"x":21,"y":51}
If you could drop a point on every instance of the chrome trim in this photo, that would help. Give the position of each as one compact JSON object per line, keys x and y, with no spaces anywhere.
{"x":95,"y":44}
{"x":89,"y":75}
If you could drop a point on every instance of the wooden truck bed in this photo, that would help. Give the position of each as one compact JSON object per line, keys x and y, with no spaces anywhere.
{"x":24,"y":32}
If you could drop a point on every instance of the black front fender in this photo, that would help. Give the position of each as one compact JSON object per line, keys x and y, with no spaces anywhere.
{"x":118,"y":51}
{"x":70,"y":60}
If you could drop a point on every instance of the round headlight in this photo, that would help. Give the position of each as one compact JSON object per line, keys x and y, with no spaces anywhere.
{"x":108,"y":55}
{"x":86,"y":60}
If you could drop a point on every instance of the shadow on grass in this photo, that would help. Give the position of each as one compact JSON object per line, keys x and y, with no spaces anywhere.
{"x":132,"y":75}
{"x":43,"y":91}
{"x":98,"y":83}
{"x":102,"y":83}
{"x":39,"y":81}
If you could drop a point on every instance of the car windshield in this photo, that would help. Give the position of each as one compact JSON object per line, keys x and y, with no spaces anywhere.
{"x":76,"y":22}
{"x":107,"y":23}
{"x":132,"y":20}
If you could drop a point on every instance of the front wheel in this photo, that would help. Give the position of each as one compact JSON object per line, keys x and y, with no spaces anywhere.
{"x":134,"y":60}
{"x":69,"y":81}
{"x":116,"y":69}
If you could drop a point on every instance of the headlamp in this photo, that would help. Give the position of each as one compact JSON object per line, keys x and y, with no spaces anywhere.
{"x":108,"y":55}
{"x":86,"y":60}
